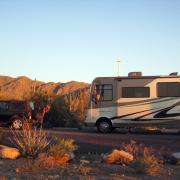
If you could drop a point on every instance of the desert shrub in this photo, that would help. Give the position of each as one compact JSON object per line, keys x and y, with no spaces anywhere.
{"x":148,"y":164}
{"x":58,"y":154}
{"x":133,"y":148}
{"x":30,"y":141}
{"x":57,"y":116}
{"x":145,"y":160}
{"x":152,"y":162}
{"x":68,"y":110}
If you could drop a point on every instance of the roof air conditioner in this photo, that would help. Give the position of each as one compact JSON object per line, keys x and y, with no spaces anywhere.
{"x":132,"y":74}
{"x":173,"y":74}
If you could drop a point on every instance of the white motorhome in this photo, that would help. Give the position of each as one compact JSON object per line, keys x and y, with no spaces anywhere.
{"x":134,"y":100}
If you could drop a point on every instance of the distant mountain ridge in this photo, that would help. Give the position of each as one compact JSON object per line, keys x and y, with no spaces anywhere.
{"x":20,"y":87}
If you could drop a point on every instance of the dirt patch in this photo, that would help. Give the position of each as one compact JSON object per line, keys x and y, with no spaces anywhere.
{"x":92,"y":168}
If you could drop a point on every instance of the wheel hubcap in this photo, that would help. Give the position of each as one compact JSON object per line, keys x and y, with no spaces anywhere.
{"x":17,"y":124}
{"x":104,"y":126}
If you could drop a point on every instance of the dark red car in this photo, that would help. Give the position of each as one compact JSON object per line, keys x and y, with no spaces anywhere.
{"x":13,"y":113}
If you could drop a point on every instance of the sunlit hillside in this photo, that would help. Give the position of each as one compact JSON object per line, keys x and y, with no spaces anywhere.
{"x":20,"y":87}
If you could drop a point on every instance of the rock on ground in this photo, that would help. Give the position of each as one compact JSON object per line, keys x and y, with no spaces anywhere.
{"x":118,"y":156}
{"x":8,"y":152}
{"x":176,"y":158}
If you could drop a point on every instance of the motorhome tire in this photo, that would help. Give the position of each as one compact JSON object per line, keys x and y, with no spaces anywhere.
{"x":104,"y":126}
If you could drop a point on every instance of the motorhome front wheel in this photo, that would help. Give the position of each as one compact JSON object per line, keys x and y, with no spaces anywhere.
{"x":104,"y":126}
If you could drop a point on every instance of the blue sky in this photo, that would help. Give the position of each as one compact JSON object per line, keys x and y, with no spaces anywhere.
{"x":64,"y":40}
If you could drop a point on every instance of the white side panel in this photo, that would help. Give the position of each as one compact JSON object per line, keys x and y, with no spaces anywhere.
{"x":140,"y":110}
{"x":94,"y":114}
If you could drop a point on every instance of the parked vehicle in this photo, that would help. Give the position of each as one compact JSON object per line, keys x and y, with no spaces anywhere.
{"x":134,"y":100}
{"x":13,"y":113}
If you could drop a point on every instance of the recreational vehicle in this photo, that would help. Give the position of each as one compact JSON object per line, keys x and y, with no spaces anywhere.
{"x":134,"y":100}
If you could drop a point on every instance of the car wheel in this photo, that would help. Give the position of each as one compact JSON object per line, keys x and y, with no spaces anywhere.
{"x":104,"y":126}
{"x":17,"y":123}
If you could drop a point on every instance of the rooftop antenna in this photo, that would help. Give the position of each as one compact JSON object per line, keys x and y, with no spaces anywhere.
{"x":118,"y":66}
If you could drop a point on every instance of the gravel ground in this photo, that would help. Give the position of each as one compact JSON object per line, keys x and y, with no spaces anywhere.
{"x":99,"y":143}
{"x":93,"y":169}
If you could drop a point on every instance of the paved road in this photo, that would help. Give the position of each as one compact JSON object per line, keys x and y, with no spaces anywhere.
{"x":92,"y":141}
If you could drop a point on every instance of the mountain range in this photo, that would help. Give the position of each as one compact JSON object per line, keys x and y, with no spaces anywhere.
{"x":20,"y":87}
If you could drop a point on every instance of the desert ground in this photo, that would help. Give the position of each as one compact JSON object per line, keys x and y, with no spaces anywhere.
{"x":88,"y":164}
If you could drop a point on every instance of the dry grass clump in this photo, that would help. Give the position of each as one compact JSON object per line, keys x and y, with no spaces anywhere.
{"x":145,"y":160}
{"x":152,"y":162}
{"x":30,"y":141}
{"x":133,"y":148}
{"x":58,"y":154}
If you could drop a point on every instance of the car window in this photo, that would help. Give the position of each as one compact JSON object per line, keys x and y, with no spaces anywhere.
{"x":18,"y":106}
{"x":3,"y":106}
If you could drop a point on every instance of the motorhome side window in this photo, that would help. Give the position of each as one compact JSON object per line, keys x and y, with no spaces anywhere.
{"x":104,"y":92}
{"x":135,"y":92}
{"x":168,"y":89}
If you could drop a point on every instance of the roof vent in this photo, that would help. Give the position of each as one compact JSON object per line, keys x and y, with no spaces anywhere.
{"x":173,"y":74}
{"x":132,"y":74}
